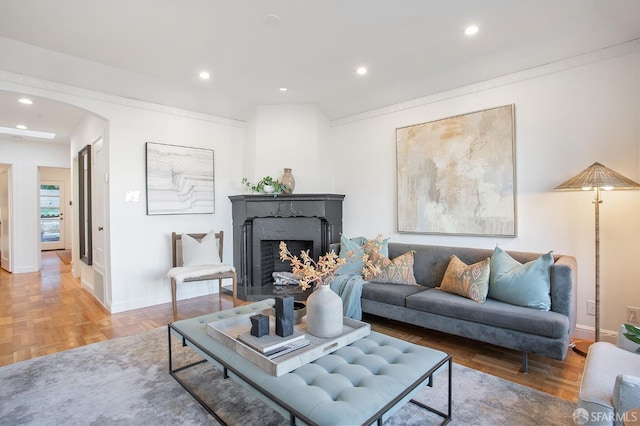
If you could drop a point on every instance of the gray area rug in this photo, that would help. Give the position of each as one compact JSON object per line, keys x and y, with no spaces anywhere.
{"x":126,"y":382}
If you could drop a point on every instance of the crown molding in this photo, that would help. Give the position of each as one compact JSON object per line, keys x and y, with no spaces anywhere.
{"x":65,"y":89}
{"x":551,"y":68}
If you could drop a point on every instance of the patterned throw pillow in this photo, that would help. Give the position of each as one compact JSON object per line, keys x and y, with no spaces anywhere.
{"x":470,"y":281}
{"x":396,"y":271}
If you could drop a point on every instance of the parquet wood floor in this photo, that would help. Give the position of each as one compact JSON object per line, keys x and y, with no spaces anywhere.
{"x":48,"y":312}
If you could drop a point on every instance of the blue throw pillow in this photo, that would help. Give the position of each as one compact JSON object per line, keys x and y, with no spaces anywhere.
{"x":352,"y":250}
{"x":526,"y":285}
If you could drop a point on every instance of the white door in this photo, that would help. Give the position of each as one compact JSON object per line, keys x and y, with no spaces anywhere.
{"x":5,"y":234}
{"x":52,"y":223}
{"x":98,"y":184}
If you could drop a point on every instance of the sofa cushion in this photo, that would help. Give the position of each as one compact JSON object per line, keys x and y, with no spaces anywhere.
{"x":390,"y":294}
{"x":520,"y":284}
{"x":470,"y":281}
{"x":491,"y":312}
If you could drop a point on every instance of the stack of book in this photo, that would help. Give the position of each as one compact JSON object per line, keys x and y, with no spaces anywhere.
{"x":273,"y":346}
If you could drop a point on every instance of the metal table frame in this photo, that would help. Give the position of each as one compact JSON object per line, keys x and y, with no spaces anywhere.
{"x":293,"y":412}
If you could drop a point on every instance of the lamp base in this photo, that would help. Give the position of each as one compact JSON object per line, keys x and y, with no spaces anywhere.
{"x":582,"y":347}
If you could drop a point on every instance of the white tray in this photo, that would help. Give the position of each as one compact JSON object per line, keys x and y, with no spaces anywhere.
{"x":226,"y":331}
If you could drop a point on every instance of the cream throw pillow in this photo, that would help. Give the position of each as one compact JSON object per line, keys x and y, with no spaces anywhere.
{"x":199,"y":253}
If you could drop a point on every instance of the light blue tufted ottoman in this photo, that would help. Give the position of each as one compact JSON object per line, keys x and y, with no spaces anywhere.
{"x":361,"y":383}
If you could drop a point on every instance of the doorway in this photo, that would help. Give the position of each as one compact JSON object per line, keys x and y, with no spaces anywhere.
{"x":52,"y":223}
{"x":54,"y":210}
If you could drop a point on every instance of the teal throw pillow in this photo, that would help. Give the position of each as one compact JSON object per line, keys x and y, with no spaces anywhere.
{"x":526,"y":285}
{"x":352,"y":250}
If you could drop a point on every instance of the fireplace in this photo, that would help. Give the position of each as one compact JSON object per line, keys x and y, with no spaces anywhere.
{"x":260,"y":222}
{"x":270,"y":262}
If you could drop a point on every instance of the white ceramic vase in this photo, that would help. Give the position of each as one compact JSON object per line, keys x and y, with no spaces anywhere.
{"x":324,"y":313}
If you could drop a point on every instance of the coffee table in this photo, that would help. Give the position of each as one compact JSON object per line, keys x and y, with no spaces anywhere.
{"x":362,"y":383}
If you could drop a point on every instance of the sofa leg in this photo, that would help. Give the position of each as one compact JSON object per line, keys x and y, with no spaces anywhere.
{"x":525,"y":362}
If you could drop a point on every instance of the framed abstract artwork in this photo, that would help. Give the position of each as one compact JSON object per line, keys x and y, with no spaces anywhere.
{"x":180,"y":179}
{"x":457,"y":175}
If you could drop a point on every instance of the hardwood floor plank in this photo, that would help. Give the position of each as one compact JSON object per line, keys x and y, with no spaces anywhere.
{"x":48,"y":311}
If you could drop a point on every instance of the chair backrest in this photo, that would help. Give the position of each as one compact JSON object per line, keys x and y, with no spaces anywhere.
{"x":176,"y":245}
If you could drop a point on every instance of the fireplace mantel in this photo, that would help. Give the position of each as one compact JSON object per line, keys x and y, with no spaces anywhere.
{"x":257,"y":216}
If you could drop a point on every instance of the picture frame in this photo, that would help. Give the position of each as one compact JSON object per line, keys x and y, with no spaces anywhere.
{"x":180,"y":179}
{"x":457,"y":175}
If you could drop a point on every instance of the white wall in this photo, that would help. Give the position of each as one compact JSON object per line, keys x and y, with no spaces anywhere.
{"x":293,"y":136}
{"x":140,"y":244}
{"x":25,"y":156}
{"x":565,"y":119}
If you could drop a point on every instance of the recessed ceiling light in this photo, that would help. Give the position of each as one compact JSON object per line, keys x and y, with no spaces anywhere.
{"x":25,"y":101}
{"x":21,"y":127}
{"x":205,"y":75}
{"x":283,"y":89}
{"x":471,"y":30}
{"x":362,"y":70}
{"x":27,"y":133}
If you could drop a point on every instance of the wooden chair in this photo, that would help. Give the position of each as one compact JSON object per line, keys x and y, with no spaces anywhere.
{"x":198,"y":273}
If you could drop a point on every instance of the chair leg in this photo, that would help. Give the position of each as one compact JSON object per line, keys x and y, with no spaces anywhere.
{"x":220,"y":293}
{"x":173,"y":299}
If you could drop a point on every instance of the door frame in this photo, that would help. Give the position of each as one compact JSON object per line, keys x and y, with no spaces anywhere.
{"x":6,"y":224}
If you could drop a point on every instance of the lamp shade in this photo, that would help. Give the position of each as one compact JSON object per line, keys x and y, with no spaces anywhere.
{"x":597,"y":176}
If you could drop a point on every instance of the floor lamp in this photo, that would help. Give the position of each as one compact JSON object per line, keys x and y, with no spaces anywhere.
{"x":597,"y":178}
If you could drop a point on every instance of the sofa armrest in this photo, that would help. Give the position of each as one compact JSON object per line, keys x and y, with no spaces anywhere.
{"x":563,"y":288}
{"x":626,"y":393}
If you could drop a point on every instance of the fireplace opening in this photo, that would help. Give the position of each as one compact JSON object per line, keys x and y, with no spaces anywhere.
{"x":270,"y":257}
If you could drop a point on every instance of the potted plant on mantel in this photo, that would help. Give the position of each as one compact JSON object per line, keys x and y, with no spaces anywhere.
{"x":266,"y":185}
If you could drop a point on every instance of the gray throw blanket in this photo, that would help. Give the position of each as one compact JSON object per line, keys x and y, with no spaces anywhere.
{"x":349,"y":288}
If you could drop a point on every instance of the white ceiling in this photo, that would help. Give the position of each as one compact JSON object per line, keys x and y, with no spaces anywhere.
{"x":153,"y":49}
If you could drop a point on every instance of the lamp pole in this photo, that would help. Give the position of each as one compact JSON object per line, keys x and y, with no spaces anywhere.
{"x":597,"y":201}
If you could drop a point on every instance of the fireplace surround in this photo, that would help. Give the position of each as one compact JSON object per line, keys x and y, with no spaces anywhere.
{"x":261,"y":221}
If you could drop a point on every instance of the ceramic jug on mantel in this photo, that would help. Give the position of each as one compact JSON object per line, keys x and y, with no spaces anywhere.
{"x":288,"y":181}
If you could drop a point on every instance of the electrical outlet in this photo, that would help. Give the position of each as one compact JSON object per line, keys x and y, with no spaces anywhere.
{"x":591,"y":307}
{"x":633,"y":315}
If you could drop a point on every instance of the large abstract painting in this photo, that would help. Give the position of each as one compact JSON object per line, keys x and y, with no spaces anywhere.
{"x":457,"y":175}
{"x":179,"y":180}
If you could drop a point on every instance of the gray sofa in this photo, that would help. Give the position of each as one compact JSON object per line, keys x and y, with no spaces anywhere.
{"x":524,"y":329}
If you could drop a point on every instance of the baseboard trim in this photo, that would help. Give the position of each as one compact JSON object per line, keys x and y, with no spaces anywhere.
{"x":194,"y":289}
{"x":585,"y":332}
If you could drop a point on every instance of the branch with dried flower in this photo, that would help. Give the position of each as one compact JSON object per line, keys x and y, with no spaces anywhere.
{"x":309,"y":270}
{"x":371,"y":257}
